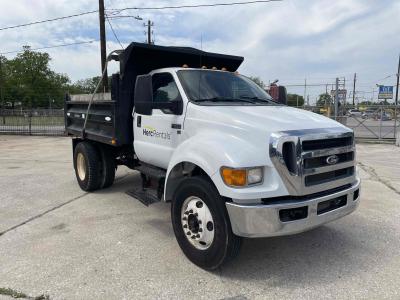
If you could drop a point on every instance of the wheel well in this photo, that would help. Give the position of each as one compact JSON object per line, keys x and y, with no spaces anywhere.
{"x":99,"y":146}
{"x":179,"y":172}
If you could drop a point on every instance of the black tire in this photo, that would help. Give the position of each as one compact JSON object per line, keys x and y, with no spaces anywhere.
{"x":92,"y":161}
{"x":225,"y":245}
{"x":107,"y":172}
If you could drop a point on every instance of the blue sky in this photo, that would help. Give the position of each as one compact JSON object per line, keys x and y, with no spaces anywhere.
{"x":289,"y":40}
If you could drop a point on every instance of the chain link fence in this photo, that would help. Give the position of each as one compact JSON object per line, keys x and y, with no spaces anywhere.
{"x":380,"y":122}
{"x":368,"y":121}
{"x":32,"y":122}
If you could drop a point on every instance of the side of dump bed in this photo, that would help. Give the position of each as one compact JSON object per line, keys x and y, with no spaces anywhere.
{"x":109,"y":121}
{"x":101,"y":121}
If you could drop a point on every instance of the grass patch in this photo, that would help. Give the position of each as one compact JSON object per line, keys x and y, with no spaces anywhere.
{"x":19,"y":295}
{"x":35,"y":121}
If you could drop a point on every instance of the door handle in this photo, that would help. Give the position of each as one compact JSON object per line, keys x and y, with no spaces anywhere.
{"x":176,"y":126}
{"x":139,"y":121}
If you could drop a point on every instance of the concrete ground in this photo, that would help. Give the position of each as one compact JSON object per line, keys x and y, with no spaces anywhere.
{"x":59,"y":241}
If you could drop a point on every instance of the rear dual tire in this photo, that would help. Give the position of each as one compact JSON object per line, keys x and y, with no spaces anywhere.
{"x":94,"y":166}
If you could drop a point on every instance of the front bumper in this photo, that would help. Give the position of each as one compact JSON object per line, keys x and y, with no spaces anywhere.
{"x":265,"y":220}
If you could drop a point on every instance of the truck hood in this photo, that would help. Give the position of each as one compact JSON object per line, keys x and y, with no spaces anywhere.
{"x":268,"y":118}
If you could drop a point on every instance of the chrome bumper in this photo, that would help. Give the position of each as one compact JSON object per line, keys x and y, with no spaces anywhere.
{"x":264,"y":220}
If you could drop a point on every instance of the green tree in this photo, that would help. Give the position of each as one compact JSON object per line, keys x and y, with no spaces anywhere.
{"x":86,"y":86}
{"x":31,"y":81}
{"x":3,"y":62}
{"x":295,"y":100}
{"x":324,"y":99}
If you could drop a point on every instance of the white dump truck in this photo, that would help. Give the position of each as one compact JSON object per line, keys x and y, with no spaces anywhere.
{"x":233,"y":162}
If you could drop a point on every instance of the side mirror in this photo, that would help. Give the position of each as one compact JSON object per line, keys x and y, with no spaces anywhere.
{"x":282,"y":98}
{"x":143,"y":98}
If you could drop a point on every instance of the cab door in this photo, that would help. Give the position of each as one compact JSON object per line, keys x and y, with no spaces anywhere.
{"x":156,"y":136}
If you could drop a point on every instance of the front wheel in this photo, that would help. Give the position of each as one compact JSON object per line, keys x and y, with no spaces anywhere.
{"x":201,"y":224}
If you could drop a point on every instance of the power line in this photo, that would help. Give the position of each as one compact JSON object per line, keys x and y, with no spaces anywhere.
{"x":49,"y":47}
{"x":196,"y":5}
{"x":117,"y":11}
{"x":49,"y":20}
{"x":125,"y":16}
{"x":113,"y":31}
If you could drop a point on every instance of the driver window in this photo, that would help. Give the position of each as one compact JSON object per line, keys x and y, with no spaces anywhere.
{"x":164,"y":88}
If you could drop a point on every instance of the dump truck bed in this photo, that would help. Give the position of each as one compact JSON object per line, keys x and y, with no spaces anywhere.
{"x":110,"y":116}
{"x":103,"y":121}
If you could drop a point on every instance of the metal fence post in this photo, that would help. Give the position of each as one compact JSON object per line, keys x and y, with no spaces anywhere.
{"x":395,"y":122}
{"x":30,"y":122}
{"x":380,"y":124}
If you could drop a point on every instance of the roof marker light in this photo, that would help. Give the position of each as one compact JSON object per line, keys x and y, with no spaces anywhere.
{"x":185,"y":66}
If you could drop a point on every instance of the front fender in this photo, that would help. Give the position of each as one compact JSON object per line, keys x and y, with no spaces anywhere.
{"x":211,"y":151}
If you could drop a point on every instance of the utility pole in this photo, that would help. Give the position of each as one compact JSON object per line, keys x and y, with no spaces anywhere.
{"x":397,"y":85}
{"x":354,"y":88}
{"x":149,"y":32}
{"x":1,"y":83}
{"x":1,"y":89}
{"x":103,"y":45}
{"x":305,"y":90}
{"x":336,"y":98}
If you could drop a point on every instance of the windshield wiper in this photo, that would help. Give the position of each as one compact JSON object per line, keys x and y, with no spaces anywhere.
{"x":222,"y":99}
{"x":255,"y":98}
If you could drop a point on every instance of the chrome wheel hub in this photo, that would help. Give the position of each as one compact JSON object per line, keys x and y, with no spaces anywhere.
{"x":197,"y":223}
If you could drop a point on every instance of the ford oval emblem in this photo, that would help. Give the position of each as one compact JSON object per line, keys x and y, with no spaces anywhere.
{"x":332,"y":160}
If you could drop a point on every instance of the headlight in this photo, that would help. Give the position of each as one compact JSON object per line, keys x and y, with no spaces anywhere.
{"x":242,"y":177}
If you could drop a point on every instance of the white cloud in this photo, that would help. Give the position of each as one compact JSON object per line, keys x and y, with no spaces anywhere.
{"x":288,"y":40}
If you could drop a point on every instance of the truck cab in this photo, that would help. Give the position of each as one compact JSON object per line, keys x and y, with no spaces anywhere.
{"x":233,"y":162}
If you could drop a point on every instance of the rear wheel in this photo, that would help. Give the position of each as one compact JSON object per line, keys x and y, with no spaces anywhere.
{"x":107,"y":173}
{"x":87,"y":166}
{"x":201,"y":224}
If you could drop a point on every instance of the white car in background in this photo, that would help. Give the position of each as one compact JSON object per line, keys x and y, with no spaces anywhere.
{"x":354,"y":113}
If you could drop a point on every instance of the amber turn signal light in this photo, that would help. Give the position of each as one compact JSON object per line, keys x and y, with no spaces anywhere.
{"x":234,"y":177}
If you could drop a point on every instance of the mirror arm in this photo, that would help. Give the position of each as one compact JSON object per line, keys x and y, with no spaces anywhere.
{"x":175,"y":106}
{"x":163,"y":105}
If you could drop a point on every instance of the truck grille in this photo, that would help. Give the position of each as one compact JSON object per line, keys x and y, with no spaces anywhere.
{"x":311,"y":161}
{"x":328,"y":176}
{"x":327,"y":143}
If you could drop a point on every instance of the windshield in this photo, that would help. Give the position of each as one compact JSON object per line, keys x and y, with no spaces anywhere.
{"x":227,"y":87}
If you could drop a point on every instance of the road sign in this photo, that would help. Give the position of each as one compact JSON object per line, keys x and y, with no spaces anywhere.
{"x":341,"y":94}
{"x":385,"y":92}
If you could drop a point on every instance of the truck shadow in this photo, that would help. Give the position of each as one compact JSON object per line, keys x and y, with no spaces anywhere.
{"x":336,"y":251}
{"x":322,"y":255}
